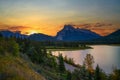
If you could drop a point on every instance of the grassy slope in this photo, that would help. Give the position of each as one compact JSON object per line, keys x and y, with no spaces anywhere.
{"x":14,"y":68}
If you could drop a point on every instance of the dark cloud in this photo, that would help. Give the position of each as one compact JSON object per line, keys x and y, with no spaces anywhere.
{"x":18,"y":28}
{"x":102,"y":25}
{"x":85,"y":26}
{"x":97,"y":26}
{"x":100,"y":28}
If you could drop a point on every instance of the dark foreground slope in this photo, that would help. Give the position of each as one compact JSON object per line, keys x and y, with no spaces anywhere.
{"x":14,"y":68}
{"x":12,"y":65}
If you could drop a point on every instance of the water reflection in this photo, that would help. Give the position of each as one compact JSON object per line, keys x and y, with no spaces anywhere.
{"x":106,"y":56}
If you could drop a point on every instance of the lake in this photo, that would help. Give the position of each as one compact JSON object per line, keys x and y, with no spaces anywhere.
{"x":106,"y":56}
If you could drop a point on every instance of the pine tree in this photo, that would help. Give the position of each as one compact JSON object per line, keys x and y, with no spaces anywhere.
{"x":97,"y":73}
{"x":61,"y":63}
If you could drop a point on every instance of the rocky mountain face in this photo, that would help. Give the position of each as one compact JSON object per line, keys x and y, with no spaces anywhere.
{"x":69,"y":33}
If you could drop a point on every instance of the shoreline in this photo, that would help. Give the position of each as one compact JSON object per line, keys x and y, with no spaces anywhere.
{"x":67,"y":48}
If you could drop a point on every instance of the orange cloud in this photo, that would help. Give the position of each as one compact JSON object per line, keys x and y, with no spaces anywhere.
{"x":24,"y":29}
{"x":100,"y":28}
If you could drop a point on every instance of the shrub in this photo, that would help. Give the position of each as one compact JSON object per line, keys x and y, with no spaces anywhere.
{"x":9,"y":46}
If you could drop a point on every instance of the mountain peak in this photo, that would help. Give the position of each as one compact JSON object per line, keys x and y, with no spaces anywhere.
{"x":68,"y":27}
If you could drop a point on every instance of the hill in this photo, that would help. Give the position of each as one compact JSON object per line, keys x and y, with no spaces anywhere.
{"x":113,"y":38}
{"x":14,"y":68}
{"x":40,"y":37}
{"x":12,"y":65}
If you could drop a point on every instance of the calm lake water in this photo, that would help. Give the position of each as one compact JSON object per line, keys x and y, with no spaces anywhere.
{"x":106,"y":56}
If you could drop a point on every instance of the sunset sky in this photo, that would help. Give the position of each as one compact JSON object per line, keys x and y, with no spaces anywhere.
{"x":49,"y":16}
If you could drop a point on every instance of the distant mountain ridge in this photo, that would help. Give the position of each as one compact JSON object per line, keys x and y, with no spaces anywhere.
{"x":35,"y":36}
{"x":41,"y":37}
{"x":68,"y":33}
{"x":17,"y":34}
